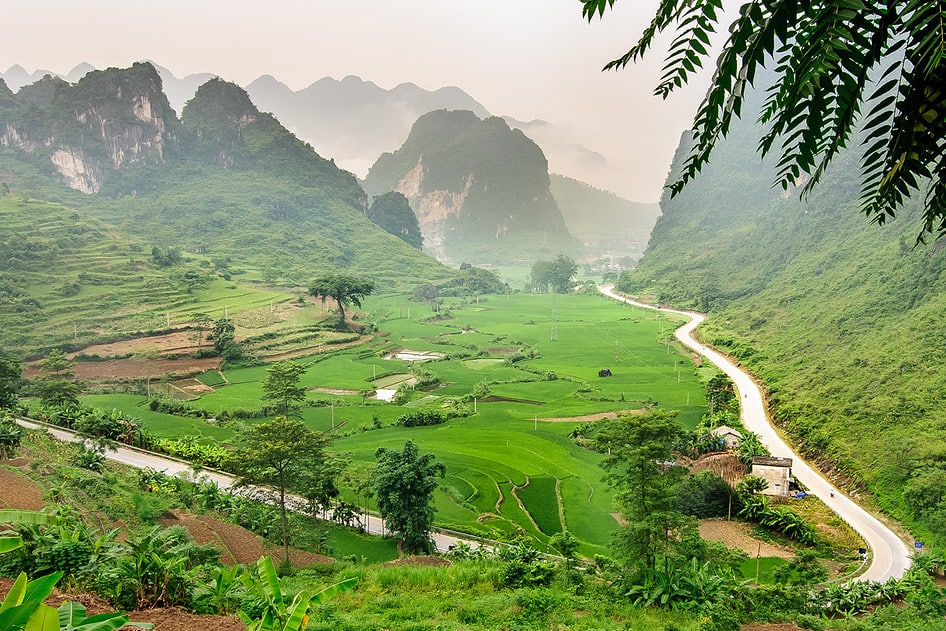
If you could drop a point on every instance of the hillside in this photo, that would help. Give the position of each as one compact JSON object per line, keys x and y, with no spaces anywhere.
{"x":480,"y":190}
{"x":839,"y":318}
{"x":601,"y":219}
{"x":224,"y":185}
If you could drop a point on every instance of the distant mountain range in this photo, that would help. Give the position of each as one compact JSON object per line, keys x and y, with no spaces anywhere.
{"x":224,"y":183}
{"x":353,"y":121}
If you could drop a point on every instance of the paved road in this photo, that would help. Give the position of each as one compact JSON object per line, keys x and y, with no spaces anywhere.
{"x":171,"y":466}
{"x":890,"y":557}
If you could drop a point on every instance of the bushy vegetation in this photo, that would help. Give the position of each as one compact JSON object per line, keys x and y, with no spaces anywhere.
{"x":835,"y":316}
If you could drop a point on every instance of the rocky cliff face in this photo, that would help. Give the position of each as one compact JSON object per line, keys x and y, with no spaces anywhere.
{"x":480,"y":190}
{"x":110,"y":120}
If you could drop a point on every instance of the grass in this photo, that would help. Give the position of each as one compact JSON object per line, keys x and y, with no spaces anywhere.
{"x":766,"y":569}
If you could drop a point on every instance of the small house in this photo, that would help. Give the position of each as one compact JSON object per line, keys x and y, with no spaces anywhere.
{"x":776,"y":471}
{"x":729,"y":438}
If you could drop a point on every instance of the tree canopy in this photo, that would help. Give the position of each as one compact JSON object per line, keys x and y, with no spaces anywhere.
{"x":831,"y":59}
{"x":639,"y":469}
{"x":281,"y":386}
{"x":10,"y":381}
{"x":343,"y":288}
{"x":404,"y":482}
{"x":557,"y":274}
{"x":282,"y":453}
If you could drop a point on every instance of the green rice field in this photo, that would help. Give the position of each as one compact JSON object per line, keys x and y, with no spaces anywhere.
{"x":525,"y":369}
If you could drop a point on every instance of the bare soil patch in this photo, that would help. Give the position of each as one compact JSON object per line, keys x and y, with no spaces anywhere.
{"x":237,"y":545}
{"x":735,"y":534}
{"x":135,"y":368}
{"x":590,"y":417}
{"x":335,"y":391}
{"x":17,"y":491}
{"x":175,"y":342}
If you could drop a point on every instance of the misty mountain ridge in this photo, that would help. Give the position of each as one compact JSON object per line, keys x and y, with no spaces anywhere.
{"x":353,"y":121}
{"x":224,"y":180}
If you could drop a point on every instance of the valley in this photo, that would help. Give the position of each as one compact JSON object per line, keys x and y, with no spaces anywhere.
{"x":430,"y":346}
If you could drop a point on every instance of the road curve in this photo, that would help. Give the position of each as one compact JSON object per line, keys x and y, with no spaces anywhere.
{"x":890,"y":557}
{"x":141,"y":459}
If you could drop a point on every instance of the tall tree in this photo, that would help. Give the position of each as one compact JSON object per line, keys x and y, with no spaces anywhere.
{"x":284,"y":454}
{"x":393,"y":213}
{"x":831,"y":59}
{"x":10,"y":382}
{"x":282,"y":386}
{"x":639,"y":467}
{"x":404,"y":482}
{"x":57,"y":386}
{"x":343,"y":288}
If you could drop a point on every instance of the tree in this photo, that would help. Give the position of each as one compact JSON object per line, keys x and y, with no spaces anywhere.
{"x":750,"y":446}
{"x":282,"y":386}
{"x":557,"y":274}
{"x":831,"y":59}
{"x":10,"y":381}
{"x":283,"y":454}
{"x":404,"y":482}
{"x":343,"y":288}
{"x":222,"y":334}
{"x":56,"y":388}
{"x":392,"y":212}
{"x":640,"y":470}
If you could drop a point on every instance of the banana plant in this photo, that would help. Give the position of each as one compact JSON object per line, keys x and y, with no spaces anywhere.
{"x":23,"y":608}
{"x":10,"y":542}
{"x":71,"y":617}
{"x":277,"y":616}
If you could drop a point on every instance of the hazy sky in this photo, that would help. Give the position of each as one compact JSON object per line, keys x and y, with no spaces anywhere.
{"x":522,"y":58}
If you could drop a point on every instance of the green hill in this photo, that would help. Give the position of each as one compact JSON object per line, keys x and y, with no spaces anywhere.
{"x":225,"y":185}
{"x":839,"y":317}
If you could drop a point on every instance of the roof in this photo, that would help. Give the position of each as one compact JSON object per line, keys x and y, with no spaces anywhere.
{"x":722,"y":430}
{"x":770,"y":461}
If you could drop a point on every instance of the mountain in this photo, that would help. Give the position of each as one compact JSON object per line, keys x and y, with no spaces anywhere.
{"x":225,"y":184}
{"x":601,"y":219}
{"x":353,"y":121}
{"x":480,"y":190}
{"x":841,"y":318}
{"x":16,"y":76}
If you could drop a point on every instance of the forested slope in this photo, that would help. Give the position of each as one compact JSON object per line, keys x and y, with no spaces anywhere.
{"x":839,"y":317}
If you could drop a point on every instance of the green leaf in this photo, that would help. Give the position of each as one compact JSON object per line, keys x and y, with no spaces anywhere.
{"x":71,"y":614}
{"x":270,"y":581}
{"x":44,"y":618}
{"x":14,"y":597}
{"x":332,"y":590}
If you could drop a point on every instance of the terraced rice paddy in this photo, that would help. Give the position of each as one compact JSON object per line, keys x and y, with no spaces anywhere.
{"x":525,"y":368}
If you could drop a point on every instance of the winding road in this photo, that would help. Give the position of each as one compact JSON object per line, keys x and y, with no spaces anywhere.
{"x":141,"y":459}
{"x":889,"y":556}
